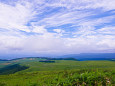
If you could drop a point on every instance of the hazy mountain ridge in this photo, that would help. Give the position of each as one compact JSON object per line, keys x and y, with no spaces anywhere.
{"x":80,"y":57}
{"x":91,"y":56}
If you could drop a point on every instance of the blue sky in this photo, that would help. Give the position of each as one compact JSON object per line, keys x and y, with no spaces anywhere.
{"x":56,"y":27}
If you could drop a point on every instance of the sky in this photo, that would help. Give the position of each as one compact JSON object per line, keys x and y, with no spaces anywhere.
{"x":56,"y":27}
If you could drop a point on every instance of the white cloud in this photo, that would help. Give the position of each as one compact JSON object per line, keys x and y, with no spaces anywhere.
{"x":87,"y":38}
{"x":15,"y":17}
{"x":62,"y":18}
{"x":107,"y":30}
{"x":83,"y":4}
{"x":39,"y":29}
{"x":59,"y":30}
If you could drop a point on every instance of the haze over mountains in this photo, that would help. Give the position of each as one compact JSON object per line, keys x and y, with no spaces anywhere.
{"x":80,"y":57}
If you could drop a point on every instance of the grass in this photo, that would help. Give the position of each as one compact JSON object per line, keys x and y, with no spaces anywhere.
{"x":61,"y":73}
{"x":67,"y":65}
{"x":60,"y":78}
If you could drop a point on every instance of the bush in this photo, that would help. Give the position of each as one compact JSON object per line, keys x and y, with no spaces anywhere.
{"x":2,"y":84}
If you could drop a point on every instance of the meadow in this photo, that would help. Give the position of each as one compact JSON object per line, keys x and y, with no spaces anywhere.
{"x":60,"y":73}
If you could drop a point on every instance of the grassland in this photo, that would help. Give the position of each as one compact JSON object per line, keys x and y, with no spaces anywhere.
{"x":60,"y":73}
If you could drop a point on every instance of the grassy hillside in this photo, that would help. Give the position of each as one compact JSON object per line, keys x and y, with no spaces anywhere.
{"x":60,"y":78}
{"x":19,"y":61}
{"x":60,"y":73}
{"x":67,"y":65}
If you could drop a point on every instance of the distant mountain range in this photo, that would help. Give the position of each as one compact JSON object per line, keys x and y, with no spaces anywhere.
{"x":80,"y":57}
{"x":91,"y":56}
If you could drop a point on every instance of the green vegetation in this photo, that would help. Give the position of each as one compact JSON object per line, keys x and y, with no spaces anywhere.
{"x":47,"y":61}
{"x":12,"y":69}
{"x":31,"y":72}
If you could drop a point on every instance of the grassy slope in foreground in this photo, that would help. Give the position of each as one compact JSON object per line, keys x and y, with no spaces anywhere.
{"x":60,"y":78}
